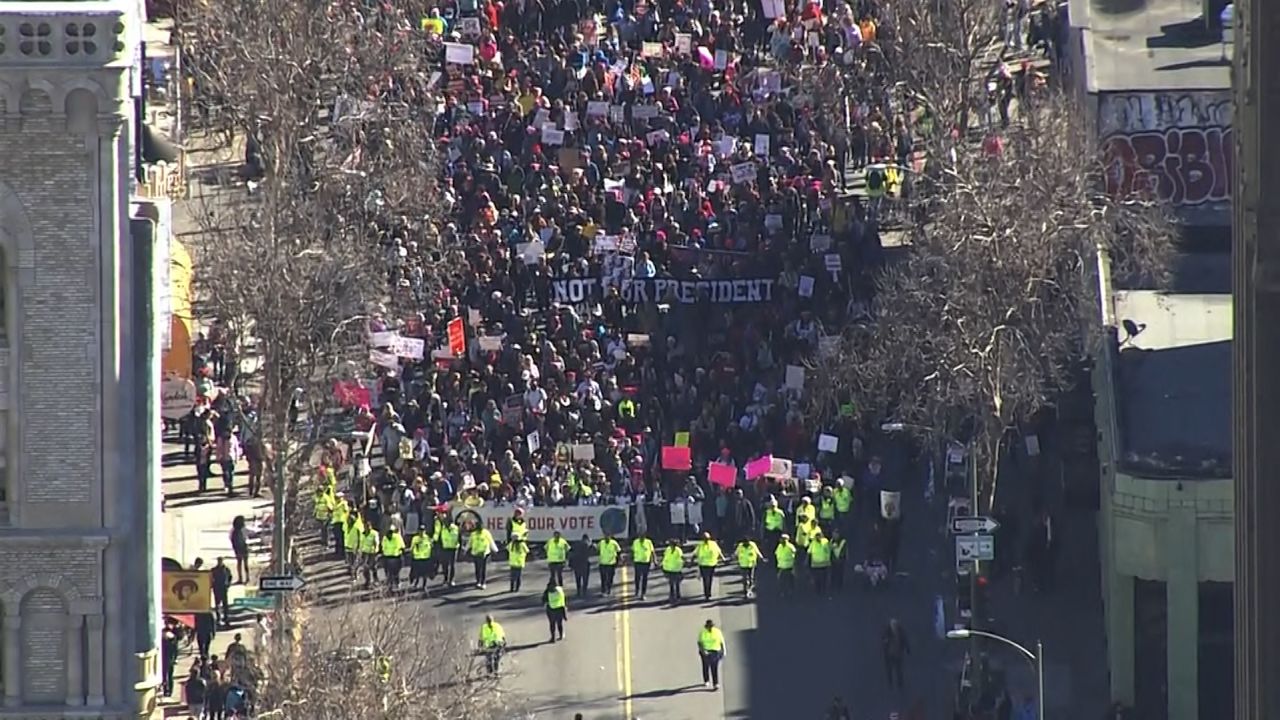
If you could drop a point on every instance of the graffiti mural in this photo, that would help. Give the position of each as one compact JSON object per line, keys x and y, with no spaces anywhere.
{"x":1174,"y":146}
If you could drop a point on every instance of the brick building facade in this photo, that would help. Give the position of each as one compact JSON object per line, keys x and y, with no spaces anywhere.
{"x":77,"y":510}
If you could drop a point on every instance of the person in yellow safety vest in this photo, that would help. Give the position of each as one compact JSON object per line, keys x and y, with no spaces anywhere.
{"x":708,"y":555}
{"x":673,"y":569}
{"x":392,"y":556}
{"x":820,"y":561}
{"x":433,"y":23}
{"x":420,"y":549}
{"x":785,"y":557}
{"x":351,"y":541}
{"x":775,"y":523}
{"x":626,"y":410}
{"x":517,"y":553}
{"x":492,"y":640}
{"x":382,"y":666}
{"x":610,"y":551}
{"x":641,"y":561}
{"x":844,"y":503}
{"x":322,"y":508}
{"x":556,"y":601}
{"x":838,"y":547}
{"x":557,"y":555}
{"x":827,"y":511}
{"x":338,"y":523}
{"x":481,"y":545}
{"x":749,"y":556}
{"x":370,"y":544}
{"x":806,"y":509}
{"x":517,"y":528}
{"x":805,"y":530}
{"x":711,"y":649}
{"x":450,"y":542}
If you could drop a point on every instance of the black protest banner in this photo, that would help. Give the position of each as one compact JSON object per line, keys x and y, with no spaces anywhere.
{"x":656,"y":291}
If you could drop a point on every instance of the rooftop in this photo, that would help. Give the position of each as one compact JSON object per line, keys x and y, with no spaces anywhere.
{"x":1151,"y":45}
{"x":1173,"y":383}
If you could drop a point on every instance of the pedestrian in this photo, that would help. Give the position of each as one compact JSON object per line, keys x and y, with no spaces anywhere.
{"x":337,"y":524}
{"x":392,"y":557}
{"x":557,"y":605}
{"x":775,"y":524}
{"x":894,"y":649}
{"x":820,"y":562}
{"x":641,"y":560}
{"x":711,"y":650}
{"x":748,"y":557}
{"x":580,"y":562}
{"x":169,"y":650}
{"x":557,"y":555}
{"x":838,"y":554}
{"x":220,"y":582}
{"x":206,"y":629}
{"x":195,"y":692}
{"x":481,"y":545}
{"x":517,"y":553}
{"x":785,"y":557}
{"x":351,"y":542}
{"x":673,"y":569}
{"x":240,"y":547}
{"x":493,"y":639}
{"x":450,"y":545}
{"x":370,"y":545}
{"x":609,"y":551}
{"x":420,"y":549}
{"x":708,"y":555}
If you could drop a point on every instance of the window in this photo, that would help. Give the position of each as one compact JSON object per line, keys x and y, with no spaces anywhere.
{"x":1217,"y":654}
{"x":1150,"y":649}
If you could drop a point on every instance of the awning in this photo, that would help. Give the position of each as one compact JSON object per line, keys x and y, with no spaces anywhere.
{"x":188,"y":620}
{"x":158,"y":148}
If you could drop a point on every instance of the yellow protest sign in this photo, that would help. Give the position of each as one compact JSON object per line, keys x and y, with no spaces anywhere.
{"x":186,"y":591}
{"x":682,"y":439}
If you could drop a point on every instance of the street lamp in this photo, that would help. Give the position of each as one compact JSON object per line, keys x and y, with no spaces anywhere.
{"x":1036,"y":658}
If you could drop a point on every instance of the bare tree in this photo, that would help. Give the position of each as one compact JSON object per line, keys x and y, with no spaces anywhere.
{"x":375,"y":661}
{"x":334,"y":103}
{"x":979,"y":324}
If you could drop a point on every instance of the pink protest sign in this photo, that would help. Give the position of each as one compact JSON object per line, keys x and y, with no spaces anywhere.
{"x":759,"y":467}
{"x":723,"y":475}
{"x":677,"y":458}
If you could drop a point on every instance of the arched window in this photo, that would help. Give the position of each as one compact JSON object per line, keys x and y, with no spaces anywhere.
{"x":44,"y":648}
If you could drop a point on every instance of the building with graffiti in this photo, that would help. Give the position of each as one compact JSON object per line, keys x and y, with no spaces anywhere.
{"x":1153,"y":78}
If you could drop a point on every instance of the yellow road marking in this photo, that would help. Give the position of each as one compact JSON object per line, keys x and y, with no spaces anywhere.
{"x":624,"y":647}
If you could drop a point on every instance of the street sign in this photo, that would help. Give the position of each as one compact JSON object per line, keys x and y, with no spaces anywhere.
{"x":256,"y":603}
{"x":963,"y":525}
{"x":971,"y":548}
{"x":280,"y":583}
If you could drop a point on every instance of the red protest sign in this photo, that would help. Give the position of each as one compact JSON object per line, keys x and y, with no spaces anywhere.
{"x":457,"y":337}
{"x":722,"y":475}
{"x":677,"y":458}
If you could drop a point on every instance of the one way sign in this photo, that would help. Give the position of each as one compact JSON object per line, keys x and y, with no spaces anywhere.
{"x":967,"y":525}
{"x":280,"y":583}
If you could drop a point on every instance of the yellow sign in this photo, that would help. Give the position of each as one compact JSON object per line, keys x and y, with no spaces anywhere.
{"x":682,"y":439}
{"x":186,"y":591}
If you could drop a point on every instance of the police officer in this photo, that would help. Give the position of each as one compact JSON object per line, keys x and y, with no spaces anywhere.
{"x":711,"y":649}
{"x":748,"y":557}
{"x":785,"y":558}
{"x":556,"y":602}
{"x":609,"y":550}
{"x":708,"y":555}
{"x":673,"y":569}
{"x":420,"y":549}
{"x":480,"y":544}
{"x":338,"y":525}
{"x":557,"y":555}
{"x":517,"y":553}
{"x":392,"y":556}
{"x":450,"y":542}
{"x":370,"y":544}
{"x":641,"y":560}
{"x":820,"y":562}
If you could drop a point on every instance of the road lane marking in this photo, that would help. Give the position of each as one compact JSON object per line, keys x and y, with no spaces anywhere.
{"x":624,"y":647}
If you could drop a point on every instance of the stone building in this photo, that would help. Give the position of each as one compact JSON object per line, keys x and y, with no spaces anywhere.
{"x":78,"y":508}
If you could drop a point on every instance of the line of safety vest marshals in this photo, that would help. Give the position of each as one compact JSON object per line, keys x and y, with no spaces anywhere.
{"x":814,"y":544}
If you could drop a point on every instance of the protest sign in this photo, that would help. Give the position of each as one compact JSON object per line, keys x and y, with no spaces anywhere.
{"x":597,"y":108}
{"x":457,"y":337}
{"x":512,"y":410}
{"x":721,"y":59}
{"x":534,"y":441}
{"x":828,"y":443}
{"x":819,"y":243}
{"x":490,"y":343}
{"x":407,"y":347}
{"x":795,"y":377}
{"x":384,"y":359}
{"x":459,"y":54}
{"x":890,"y":504}
{"x":805,"y":286}
{"x":583,"y":451}
{"x":684,"y":43}
{"x":677,"y":458}
{"x":723,"y":475}
{"x":542,"y":522}
{"x":651,"y":50}
{"x":531,"y":252}
{"x":759,"y":467}
{"x":779,"y":468}
{"x":647,"y":291}
{"x":177,"y":397}
{"x":682,"y":439}
{"x":743,"y":172}
{"x":762,"y":145}
{"x":552,"y":136}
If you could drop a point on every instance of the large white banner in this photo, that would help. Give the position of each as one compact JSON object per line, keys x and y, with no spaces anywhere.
{"x":594,"y":521}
